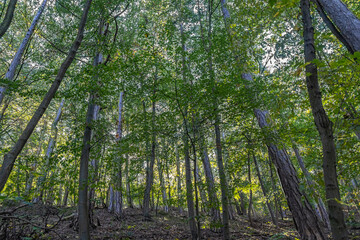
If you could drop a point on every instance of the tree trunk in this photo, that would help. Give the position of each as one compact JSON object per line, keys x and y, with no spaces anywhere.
{"x":262,"y":185}
{"x":220,"y":164}
{"x":49,"y":150}
{"x":250,"y":194}
{"x":118,"y":180}
{"x":128,"y":189}
{"x":17,"y":58}
{"x":322,"y":210}
{"x":305,"y":219}
{"x":83,"y":207}
{"x":66,"y":195}
{"x":111,"y":199}
{"x":29,"y":182}
{"x":8,"y":17}
{"x":178,"y":177}
{"x":150,"y":168}
{"x":162,"y":185}
{"x":189,"y":187}
{"x":10,"y":157}
{"x":323,"y":123}
{"x":213,"y":200}
{"x":346,"y":22}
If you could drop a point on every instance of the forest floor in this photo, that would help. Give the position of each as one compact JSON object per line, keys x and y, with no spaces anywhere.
{"x":44,"y":222}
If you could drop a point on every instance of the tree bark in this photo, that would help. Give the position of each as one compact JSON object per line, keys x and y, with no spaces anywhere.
{"x":323,"y":124}
{"x":83,"y":207}
{"x":346,"y":22}
{"x":10,"y":157}
{"x":8,"y":17}
{"x":17,"y":58}
{"x":150,"y":168}
{"x":305,"y":219}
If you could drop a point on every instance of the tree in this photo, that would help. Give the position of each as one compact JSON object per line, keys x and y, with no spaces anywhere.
{"x":10,"y":157}
{"x":324,"y":126}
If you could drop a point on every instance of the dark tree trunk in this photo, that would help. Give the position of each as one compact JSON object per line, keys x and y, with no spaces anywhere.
{"x":8,"y":17}
{"x":83,"y":207}
{"x":324,"y":127}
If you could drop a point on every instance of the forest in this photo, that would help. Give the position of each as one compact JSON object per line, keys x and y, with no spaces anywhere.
{"x":179,"y":119}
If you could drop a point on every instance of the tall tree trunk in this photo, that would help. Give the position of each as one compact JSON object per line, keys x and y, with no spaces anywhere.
{"x":49,"y":150}
{"x":178,"y":177}
{"x":162,"y":184}
{"x":305,"y":219}
{"x":262,"y":185}
{"x":8,"y":17}
{"x":111,"y":199}
{"x":223,"y":183}
{"x":118,"y":180}
{"x":162,"y":179}
{"x":324,"y":125}
{"x":128,"y":189}
{"x":83,"y":207}
{"x":196,"y":178}
{"x":217,"y":120}
{"x":29,"y":182}
{"x":94,"y":163}
{"x":250,"y":194}
{"x":10,"y":157}
{"x":17,"y":58}
{"x":150,"y":168}
{"x":346,"y":22}
{"x":66,"y":195}
{"x":213,"y":200}
{"x":323,"y":213}
{"x":189,"y":187}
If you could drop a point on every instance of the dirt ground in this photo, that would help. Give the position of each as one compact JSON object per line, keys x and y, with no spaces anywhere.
{"x":45,"y":222}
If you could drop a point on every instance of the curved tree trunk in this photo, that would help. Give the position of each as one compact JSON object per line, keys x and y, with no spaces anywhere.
{"x":324,"y":126}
